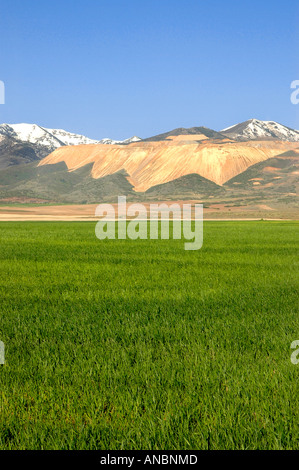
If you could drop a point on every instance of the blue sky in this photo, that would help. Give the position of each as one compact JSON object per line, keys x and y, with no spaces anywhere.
{"x":118,"y":68}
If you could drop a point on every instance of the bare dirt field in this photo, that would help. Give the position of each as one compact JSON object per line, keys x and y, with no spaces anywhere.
{"x":82,"y":212}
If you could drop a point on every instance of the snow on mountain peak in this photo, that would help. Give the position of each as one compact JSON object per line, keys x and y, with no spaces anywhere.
{"x":254,"y":129}
{"x":52,"y":138}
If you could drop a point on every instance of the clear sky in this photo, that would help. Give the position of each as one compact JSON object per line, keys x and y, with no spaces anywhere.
{"x":115,"y":68}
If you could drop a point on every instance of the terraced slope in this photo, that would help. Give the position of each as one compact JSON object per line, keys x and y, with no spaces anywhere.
{"x":151,"y":163}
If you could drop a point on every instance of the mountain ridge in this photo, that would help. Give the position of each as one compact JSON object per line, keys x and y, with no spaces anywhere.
{"x":185,"y":162}
{"x":254,"y":129}
{"x":45,"y":138}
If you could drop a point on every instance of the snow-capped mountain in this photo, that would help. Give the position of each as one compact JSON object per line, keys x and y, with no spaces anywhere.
{"x":31,"y":133}
{"x":114,"y":142}
{"x":261,"y":130}
{"x":68,"y":138}
{"x":76,"y":139}
{"x":52,"y":138}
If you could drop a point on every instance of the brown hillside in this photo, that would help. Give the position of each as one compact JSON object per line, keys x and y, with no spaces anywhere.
{"x":152,"y":163}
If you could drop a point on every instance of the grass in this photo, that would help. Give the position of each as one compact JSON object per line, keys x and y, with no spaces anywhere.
{"x":142,"y":345}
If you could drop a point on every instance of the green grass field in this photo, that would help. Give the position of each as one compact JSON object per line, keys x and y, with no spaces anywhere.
{"x":142,"y":345}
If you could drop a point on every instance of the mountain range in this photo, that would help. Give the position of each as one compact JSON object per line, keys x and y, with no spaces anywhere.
{"x":254,"y":162}
{"x":261,"y":130}
{"x":46,"y":140}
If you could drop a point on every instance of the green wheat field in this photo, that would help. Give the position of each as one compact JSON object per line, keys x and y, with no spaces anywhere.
{"x":121,"y":344}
